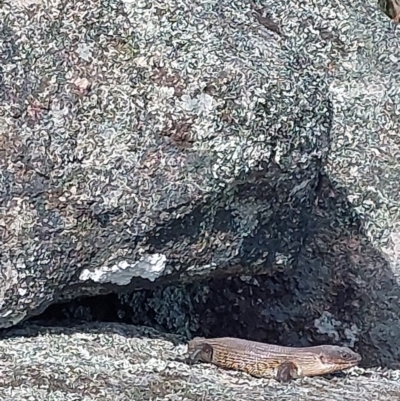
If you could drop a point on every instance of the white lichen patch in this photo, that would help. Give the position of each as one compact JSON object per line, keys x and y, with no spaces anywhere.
{"x":149,"y":267}
{"x":327,"y":324}
{"x":26,"y":3}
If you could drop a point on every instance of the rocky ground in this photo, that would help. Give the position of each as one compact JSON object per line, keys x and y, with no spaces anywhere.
{"x":120,"y":362}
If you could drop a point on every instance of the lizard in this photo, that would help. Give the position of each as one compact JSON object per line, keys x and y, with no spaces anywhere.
{"x":271,"y":361}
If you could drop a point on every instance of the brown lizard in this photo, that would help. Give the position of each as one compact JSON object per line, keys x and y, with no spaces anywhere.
{"x":272,"y":361}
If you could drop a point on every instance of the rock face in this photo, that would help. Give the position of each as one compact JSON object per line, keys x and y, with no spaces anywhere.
{"x":116,"y":362}
{"x":143,"y":144}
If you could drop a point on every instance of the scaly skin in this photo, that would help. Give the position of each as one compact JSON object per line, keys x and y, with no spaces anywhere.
{"x":273,"y":361}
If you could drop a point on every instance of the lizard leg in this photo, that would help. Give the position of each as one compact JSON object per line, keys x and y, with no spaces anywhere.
{"x":203,"y":352}
{"x":286,"y":372}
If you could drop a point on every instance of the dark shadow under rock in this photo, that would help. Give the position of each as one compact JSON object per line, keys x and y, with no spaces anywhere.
{"x":338,"y":289}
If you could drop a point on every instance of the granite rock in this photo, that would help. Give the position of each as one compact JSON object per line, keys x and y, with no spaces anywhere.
{"x":121,"y":362}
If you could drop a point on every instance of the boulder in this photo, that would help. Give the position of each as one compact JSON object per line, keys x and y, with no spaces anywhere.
{"x":146,"y":144}
{"x":167,"y":143}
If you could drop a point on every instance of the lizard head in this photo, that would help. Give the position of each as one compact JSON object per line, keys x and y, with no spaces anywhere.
{"x":336,"y":358}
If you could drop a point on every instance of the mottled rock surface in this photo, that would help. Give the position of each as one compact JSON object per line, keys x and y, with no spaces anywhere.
{"x":148,"y":142}
{"x":134,"y":137}
{"x":120,"y":362}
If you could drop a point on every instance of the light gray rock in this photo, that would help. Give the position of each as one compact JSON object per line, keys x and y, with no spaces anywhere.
{"x":147,"y":143}
{"x":119,"y":362}
{"x":168,"y":142}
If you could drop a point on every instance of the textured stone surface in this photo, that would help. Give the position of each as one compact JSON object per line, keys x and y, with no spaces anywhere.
{"x":341,"y":290}
{"x":119,"y":362}
{"x":175,"y":141}
{"x":127,"y":132}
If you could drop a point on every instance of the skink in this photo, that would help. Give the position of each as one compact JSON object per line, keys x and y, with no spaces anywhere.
{"x":274,"y":361}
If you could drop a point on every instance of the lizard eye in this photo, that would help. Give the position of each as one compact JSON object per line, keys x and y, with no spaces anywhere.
{"x":345,"y":355}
